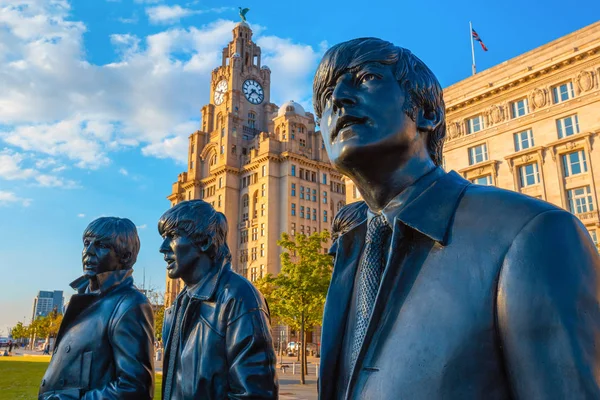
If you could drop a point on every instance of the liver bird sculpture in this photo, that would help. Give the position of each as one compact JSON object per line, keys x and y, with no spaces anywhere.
{"x":243,"y":13}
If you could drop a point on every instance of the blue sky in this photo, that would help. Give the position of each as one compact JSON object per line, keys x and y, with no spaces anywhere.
{"x":97,"y":99}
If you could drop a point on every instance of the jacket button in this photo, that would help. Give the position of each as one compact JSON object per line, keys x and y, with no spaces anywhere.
{"x":68,"y":348}
{"x":43,"y":382}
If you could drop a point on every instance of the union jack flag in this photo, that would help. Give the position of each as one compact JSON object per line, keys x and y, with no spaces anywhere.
{"x":476,"y":37}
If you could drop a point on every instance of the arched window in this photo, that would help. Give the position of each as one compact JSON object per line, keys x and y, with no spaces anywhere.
{"x":251,"y":119}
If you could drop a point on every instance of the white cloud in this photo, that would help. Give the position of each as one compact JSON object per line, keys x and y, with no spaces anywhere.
{"x":147,"y":1}
{"x":12,"y":168}
{"x":123,"y":171}
{"x":144,"y":226}
{"x":168,"y":14}
{"x":81,"y":215}
{"x":57,"y":105}
{"x":8,"y":198}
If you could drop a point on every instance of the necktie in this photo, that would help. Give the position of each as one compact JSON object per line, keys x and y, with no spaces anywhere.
{"x":174,"y":347}
{"x":369,"y":276}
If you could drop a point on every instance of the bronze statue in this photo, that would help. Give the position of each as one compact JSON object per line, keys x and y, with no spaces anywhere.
{"x":446,"y":290}
{"x":217,"y":336}
{"x":104,"y":346}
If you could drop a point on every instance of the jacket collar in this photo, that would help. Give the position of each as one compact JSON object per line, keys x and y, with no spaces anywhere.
{"x":206,"y":288}
{"x":428,"y":205}
{"x":106,"y":281}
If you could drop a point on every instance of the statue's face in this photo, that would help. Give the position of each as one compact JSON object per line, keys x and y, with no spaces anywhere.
{"x":181,"y":254}
{"x":363,"y":117}
{"x":98,"y":256}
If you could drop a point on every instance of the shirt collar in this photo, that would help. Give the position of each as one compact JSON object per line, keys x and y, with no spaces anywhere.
{"x":428,"y":205}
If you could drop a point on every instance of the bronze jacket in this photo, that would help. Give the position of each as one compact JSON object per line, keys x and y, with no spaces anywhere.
{"x":226,"y":346}
{"x":104,"y":346}
{"x":489,"y":294}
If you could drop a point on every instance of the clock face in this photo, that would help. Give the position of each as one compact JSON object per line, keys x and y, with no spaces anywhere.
{"x":220,"y":91}
{"x":253,"y":91}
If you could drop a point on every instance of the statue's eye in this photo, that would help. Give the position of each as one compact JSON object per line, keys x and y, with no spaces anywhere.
{"x":368,"y":77}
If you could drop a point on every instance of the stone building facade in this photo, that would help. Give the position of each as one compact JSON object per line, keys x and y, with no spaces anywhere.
{"x":262,"y":165}
{"x":532,"y":125}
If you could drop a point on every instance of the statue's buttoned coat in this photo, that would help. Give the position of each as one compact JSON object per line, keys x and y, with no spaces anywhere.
{"x":104,"y":347}
{"x":226,"y":349}
{"x":488,"y":294}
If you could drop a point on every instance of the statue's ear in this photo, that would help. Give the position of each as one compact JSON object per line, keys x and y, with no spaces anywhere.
{"x":428,"y":120}
{"x":125,"y":259}
{"x":205,"y":244}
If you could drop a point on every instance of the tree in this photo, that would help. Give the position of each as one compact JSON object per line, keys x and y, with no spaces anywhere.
{"x":157,"y":301}
{"x":297,"y":294}
{"x":19,"y":331}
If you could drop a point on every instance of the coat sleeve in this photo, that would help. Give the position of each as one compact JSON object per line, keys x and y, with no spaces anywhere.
{"x":548,"y":310}
{"x":251,"y":357}
{"x":132,"y":336}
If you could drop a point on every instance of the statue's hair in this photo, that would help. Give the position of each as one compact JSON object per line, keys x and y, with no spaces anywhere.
{"x":198,"y":220}
{"x":425,"y":92}
{"x":121,"y":234}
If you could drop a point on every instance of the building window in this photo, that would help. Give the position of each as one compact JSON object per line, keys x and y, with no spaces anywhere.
{"x":594,"y":237}
{"x":324,"y":216}
{"x":220,"y":182}
{"x":474,"y":124}
{"x":313,"y":176}
{"x":485,"y":180}
{"x":529,"y":175}
{"x":325,"y":196}
{"x":574,"y":163}
{"x":264,"y":170}
{"x":262,"y":229}
{"x":307,"y":212}
{"x":263,"y":209}
{"x":262,"y":270}
{"x":324,"y":178}
{"x":301,"y":211}
{"x":263,"y":189}
{"x":262,"y":250}
{"x":293,"y":230}
{"x":192,"y":165}
{"x":244,"y":236}
{"x":307,"y":193}
{"x":519,"y":108}
{"x":219,"y":202}
{"x":222,"y":132}
{"x":301,"y":173}
{"x":293,"y":170}
{"x":314,"y":195}
{"x":314,"y":214}
{"x":302,"y":143}
{"x":251,"y":120}
{"x":580,"y":200}
{"x":567,"y":126}
{"x":293,"y":189}
{"x":233,"y":149}
{"x":302,"y":192}
{"x":478,"y":154}
{"x":254,"y":234}
{"x":293,"y":209}
{"x":563,"y":92}
{"x":222,"y":149}
{"x":253,"y":274}
{"x":523,"y":140}
{"x":253,"y":255}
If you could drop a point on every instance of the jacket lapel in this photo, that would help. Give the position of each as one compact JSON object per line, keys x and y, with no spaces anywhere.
{"x":77,"y":304}
{"x":337,"y":304}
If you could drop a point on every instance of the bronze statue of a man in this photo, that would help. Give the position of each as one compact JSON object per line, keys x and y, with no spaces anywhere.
{"x":446,"y":289}
{"x":217,"y":336}
{"x":104,"y":346}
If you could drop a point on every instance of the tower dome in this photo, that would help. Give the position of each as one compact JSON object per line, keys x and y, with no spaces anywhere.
{"x":291,"y":107}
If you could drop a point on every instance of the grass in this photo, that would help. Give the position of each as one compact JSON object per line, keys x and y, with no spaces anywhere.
{"x":20,"y":377}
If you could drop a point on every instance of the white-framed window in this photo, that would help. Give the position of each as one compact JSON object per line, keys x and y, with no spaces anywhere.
{"x":580,"y":200}
{"x":567,"y":126}
{"x":262,"y":270}
{"x":562,"y":92}
{"x":324,"y":216}
{"x":518,"y":108}
{"x":254,"y":233}
{"x":302,"y":192}
{"x":293,"y":170}
{"x":301,"y":211}
{"x":262,"y":229}
{"x":263,"y":190}
{"x":325,"y":196}
{"x":264,"y":170}
{"x":485,"y":180}
{"x":263,"y":209}
{"x":478,"y":154}
{"x":523,"y":140}
{"x":262,"y":250}
{"x":253,"y":274}
{"x":594,"y":236}
{"x":574,"y":163}
{"x":293,"y":189}
{"x":475,"y":124}
{"x":252,"y":120}
{"x":293,"y":209}
{"x":219,"y":201}
{"x":529,"y":174}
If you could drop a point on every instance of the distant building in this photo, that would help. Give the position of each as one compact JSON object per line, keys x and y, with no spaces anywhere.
{"x":46,"y":301}
{"x":531,"y":125}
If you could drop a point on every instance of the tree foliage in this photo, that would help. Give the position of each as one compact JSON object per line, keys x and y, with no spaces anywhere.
{"x":301,"y":285}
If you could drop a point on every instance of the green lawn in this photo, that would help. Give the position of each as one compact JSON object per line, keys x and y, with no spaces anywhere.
{"x":20,"y":377}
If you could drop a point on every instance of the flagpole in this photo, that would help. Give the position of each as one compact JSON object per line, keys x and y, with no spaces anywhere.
{"x":472,"y":47}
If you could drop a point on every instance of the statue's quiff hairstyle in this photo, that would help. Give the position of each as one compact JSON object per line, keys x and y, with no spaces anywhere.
{"x":425,"y":92}
{"x":121,"y":234}
{"x":198,"y":220}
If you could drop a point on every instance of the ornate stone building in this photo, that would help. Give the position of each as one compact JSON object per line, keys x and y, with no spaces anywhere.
{"x":262,"y":165}
{"x":532,"y":125}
